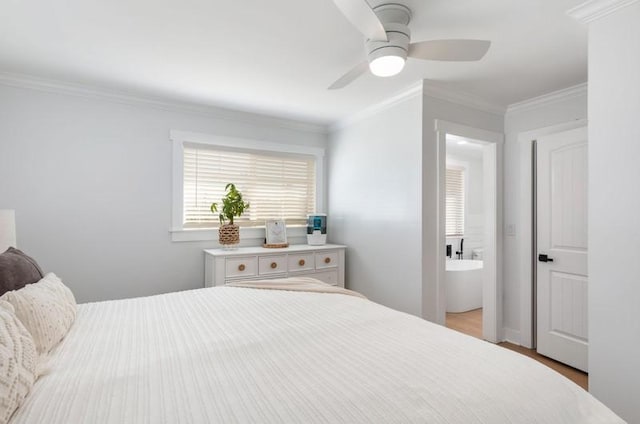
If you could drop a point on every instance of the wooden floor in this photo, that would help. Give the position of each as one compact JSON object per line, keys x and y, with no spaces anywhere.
{"x":471,"y":323}
{"x":466,"y":322}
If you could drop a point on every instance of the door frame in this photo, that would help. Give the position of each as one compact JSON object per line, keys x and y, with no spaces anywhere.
{"x":492,"y":169}
{"x":526,"y":239}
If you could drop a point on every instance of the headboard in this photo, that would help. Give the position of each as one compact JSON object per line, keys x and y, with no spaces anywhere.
{"x":7,"y":229}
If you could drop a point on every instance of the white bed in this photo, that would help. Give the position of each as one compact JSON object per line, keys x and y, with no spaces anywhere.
{"x":241,"y":355}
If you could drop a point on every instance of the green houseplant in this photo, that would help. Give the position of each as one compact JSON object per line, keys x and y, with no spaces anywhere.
{"x":232,"y":206}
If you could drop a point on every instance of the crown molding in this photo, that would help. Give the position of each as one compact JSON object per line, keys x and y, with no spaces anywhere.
{"x":435,"y":90}
{"x":592,"y":10}
{"x":92,"y":92}
{"x":413,"y":91}
{"x":424,"y":88}
{"x":548,"y":99}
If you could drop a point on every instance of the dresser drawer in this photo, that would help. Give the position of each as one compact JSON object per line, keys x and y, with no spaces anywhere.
{"x":241,"y":267}
{"x":272,"y":265}
{"x":301,"y":262}
{"x":253,"y":263}
{"x":326,"y":260}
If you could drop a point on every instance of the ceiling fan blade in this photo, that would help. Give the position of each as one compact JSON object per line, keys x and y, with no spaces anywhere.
{"x":450,"y":50}
{"x":350,"y":76}
{"x":360,"y":14}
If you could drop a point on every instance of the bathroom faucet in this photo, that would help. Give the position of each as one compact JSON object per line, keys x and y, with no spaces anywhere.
{"x":460,"y":252}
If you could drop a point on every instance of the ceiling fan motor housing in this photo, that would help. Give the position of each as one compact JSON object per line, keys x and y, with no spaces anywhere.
{"x":388,"y":44}
{"x":395,"y":18}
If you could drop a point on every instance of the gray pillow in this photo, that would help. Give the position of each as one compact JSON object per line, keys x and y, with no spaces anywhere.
{"x":17,"y":270}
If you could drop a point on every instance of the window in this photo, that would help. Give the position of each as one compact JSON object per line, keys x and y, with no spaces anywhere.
{"x":278,"y":180}
{"x":276,"y":185}
{"x":455,"y":202}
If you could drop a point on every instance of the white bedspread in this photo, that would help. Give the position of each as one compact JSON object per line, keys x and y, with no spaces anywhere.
{"x":240,"y":355}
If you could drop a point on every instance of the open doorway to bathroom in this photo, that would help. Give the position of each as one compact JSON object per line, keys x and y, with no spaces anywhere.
{"x":469,"y":235}
{"x":464,"y":225}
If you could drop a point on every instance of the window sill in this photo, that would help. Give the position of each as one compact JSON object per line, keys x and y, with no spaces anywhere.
{"x":254,"y":235}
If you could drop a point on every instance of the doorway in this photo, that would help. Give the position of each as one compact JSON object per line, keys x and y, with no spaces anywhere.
{"x":464,"y":226}
{"x":489,"y":145}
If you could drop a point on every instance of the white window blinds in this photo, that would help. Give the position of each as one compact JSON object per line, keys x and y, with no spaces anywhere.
{"x":276,"y":185}
{"x":455,"y":202}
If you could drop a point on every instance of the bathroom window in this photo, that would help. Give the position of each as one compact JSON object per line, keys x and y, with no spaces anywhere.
{"x":455,"y":202}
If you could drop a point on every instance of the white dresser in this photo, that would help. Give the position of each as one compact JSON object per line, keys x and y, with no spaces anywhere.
{"x":326,"y":263}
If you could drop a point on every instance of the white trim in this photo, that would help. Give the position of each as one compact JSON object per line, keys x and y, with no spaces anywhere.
{"x":441,"y":236}
{"x":94,"y":92}
{"x":178,"y":138}
{"x":592,"y":10}
{"x":435,"y":90}
{"x":492,"y":243}
{"x":492,"y":288}
{"x":548,"y":99}
{"x":248,"y":236}
{"x":526,"y":237}
{"x":476,"y":134}
{"x":511,"y":335}
{"x":243,"y":143}
{"x":429,"y":89}
{"x":413,"y":91}
{"x":177,"y":189}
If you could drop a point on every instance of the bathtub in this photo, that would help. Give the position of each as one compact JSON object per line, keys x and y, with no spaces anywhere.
{"x":463,"y":285}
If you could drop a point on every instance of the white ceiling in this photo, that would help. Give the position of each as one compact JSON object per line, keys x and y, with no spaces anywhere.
{"x":277,"y":57}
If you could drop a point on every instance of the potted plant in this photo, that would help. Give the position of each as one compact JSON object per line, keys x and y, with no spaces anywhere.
{"x":232,"y":206}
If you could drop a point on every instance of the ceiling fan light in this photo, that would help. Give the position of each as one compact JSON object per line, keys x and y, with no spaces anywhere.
{"x":386,"y":66}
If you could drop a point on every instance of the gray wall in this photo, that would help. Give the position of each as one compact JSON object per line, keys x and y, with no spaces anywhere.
{"x":614,"y":202}
{"x":374,"y":203}
{"x":90,"y":180}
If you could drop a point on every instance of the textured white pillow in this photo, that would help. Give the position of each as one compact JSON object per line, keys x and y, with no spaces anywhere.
{"x":52,"y":283}
{"x":18,"y":362}
{"x":46,"y":308}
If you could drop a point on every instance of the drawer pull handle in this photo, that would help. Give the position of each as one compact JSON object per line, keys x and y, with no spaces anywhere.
{"x":241,"y":267}
{"x":327,"y":260}
{"x":301,"y":262}
{"x":274,"y":265}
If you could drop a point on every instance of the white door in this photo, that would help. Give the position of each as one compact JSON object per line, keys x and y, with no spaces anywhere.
{"x":562,"y":237}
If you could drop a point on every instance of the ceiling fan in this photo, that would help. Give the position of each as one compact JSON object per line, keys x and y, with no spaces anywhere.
{"x":388,"y":41}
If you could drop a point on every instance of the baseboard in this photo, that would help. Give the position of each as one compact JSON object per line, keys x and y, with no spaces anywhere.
{"x":511,"y":335}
